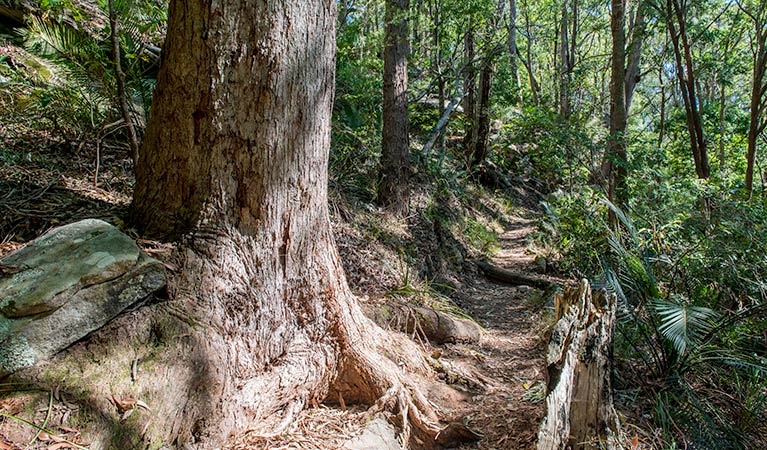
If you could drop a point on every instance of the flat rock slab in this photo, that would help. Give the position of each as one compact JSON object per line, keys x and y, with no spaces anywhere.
{"x":378,"y":435}
{"x":66,"y":284}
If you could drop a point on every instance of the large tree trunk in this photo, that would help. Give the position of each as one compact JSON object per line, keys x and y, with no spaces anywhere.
{"x":235,"y":162}
{"x":395,"y":166}
{"x":482,"y":124}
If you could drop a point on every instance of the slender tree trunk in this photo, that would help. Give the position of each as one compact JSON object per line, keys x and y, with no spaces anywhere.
{"x":437,"y":68}
{"x":469,"y":89}
{"x":675,"y":17}
{"x":235,"y":161}
{"x":564,"y":64}
{"x":513,"y":50}
{"x":616,"y":143}
{"x":528,"y":62}
{"x":395,"y":166}
{"x":662,"y":124}
{"x":634,"y":54}
{"x":722,"y":110}
{"x":758,"y":105}
{"x":122,"y":95}
{"x":482,"y":129}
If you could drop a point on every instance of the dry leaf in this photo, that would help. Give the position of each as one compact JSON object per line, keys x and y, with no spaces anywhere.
{"x":126,"y":414}
{"x":61,"y":445}
{"x":124,"y":404}
{"x":5,"y":446}
{"x":141,"y":404}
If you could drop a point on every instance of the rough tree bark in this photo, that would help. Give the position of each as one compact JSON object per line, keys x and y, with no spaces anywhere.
{"x":235,"y":163}
{"x":580,"y":412}
{"x":616,"y":143}
{"x":482,"y":123}
{"x":395,"y":167}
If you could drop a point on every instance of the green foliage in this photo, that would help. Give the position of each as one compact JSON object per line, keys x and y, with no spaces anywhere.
{"x":72,"y":89}
{"x":692,"y":299}
{"x":556,"y":151}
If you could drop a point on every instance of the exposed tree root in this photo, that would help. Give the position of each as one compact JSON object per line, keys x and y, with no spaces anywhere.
{"x":258,"y":383}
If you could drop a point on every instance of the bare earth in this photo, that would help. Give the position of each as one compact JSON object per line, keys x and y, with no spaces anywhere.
{"x":499,"y":381}
{"x":510,"y":356}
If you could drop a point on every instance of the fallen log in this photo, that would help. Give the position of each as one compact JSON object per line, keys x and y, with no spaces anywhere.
{"x":580,"y":412}
{"x":436,"y":326}
{"x":514,"y":278}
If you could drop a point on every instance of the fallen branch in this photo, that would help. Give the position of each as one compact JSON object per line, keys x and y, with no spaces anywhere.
{"x":513,"y":278}
{"x":439,"y":126}
{"x":436,"y":326}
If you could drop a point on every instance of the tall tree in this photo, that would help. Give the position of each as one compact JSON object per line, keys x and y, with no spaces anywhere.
{"x":513,"y":50}
{"x":758,"y":102}
{"x":122,"y":95}
{"x":469,"y":90}
{"x":634,"y":53}
{"x":568,"y":41}
{"x":235,"y":163}
{"x":535,"y":87}
{"x":481,"y":123}
{"x":676,"y":20}
{"x":395,"y":167}
{"x":616,"y":144}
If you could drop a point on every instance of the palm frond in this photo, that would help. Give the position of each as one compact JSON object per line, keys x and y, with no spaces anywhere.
{"x":684,"y":325}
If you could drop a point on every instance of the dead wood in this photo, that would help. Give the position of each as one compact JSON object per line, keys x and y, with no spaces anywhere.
{"x":436,"y":326}
{"x":513,"y":278}
{"x":580,"y":411}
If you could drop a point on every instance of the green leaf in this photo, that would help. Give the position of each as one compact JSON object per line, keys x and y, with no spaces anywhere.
{"x":683,"y":325}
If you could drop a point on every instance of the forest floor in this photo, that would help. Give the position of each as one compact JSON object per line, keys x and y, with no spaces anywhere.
{"x":498,"y":382}
{"x":510,"y":356}
{"x":496,"y":385}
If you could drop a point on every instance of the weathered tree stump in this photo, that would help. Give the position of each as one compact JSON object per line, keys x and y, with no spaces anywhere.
{"x":580,"y":412}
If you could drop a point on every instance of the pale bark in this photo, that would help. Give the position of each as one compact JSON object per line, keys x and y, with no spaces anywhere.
{"x":580,"y":412}
{"x":513,"y":50}
{"x":235,"y":164}
{"x":395,"y":166}
{"x":634,"y":54}
{"x":528,"y":61}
